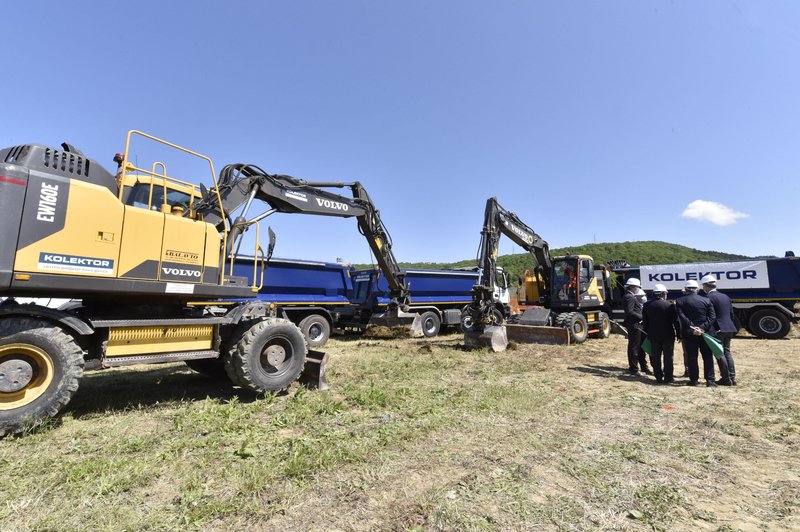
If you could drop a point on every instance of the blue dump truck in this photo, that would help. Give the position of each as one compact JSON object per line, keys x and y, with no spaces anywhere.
{"x":436,"y":295}
{"x":764,"y":292}
{"x":310,"y":294}
{"x":324,"y":297}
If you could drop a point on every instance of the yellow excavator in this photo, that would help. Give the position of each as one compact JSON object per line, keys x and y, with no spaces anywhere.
{"x":148,"y":259}
{"x":565,"y":299}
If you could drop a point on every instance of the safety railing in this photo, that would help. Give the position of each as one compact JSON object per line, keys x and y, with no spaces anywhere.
{"x":257,"y":254}
{"x":128,"y":167}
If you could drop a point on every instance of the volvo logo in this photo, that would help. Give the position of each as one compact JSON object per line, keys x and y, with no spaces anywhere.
{"x":332,"y":204}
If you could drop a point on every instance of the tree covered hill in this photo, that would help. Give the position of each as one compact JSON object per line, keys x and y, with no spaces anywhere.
{"x":643,"y":252}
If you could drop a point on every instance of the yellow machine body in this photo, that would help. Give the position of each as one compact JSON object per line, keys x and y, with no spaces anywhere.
{"x":79,"y":237}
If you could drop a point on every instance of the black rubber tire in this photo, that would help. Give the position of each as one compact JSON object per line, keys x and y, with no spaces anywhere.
{"x":210,"y":367}
{"x":466,"y":319}
{"x":246,"y":362}
{"x":495,"y":317}
{"x":605,"y":326}
{"x":54,"y":356}
{"x":431,"y":324}
{"x":770,"y":324}
{"x":576,"y":325}
{"x":316,"y":329}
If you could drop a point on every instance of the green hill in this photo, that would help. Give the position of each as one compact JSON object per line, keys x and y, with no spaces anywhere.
{"x":644,"y":252}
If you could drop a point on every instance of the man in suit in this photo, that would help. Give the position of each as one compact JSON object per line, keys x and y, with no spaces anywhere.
{"x":696,"y":316}
{"x":724,"y":328}
{"x":633,"y":318}
{"x":660,"y":324}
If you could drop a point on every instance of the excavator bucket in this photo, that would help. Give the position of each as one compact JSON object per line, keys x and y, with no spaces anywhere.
{"x":395,"y":323}
{"x":537,"y":334}
{"x":492,"y":336}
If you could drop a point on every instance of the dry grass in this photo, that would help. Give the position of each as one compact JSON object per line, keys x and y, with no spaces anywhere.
{"x":420,"y":435}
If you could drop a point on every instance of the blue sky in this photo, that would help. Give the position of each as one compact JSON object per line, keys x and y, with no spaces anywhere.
{"x":593,"y":121}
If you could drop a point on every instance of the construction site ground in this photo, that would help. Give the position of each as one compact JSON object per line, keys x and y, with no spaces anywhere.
{"x":419,"y":434}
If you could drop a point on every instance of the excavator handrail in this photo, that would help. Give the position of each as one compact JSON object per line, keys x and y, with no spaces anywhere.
{"x":126,"y":166}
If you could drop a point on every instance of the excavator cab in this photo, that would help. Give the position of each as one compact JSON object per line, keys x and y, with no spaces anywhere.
{"x":574,"y":283}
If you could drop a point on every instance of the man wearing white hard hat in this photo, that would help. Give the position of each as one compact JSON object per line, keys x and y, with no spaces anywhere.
{"x":633,"y":318}
{"x":724,"y":328}
{"x":696,"y":316}
{"x":660,"y":323}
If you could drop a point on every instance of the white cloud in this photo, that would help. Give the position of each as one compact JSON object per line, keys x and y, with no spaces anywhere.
{"x":711,"y":211}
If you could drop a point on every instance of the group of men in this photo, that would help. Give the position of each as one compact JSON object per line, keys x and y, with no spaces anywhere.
{"x":662,"y":322}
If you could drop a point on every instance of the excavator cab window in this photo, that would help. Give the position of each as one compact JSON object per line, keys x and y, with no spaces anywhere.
{"x":565,"y":279}
{"x":585,"y":278}
{"x":140,"y":197}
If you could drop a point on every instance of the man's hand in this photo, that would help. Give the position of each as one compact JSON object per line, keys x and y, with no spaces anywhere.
{"x":697,"y":331}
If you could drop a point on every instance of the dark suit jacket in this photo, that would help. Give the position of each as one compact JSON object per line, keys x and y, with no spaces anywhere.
{"x":633,"y":309}
{"x":660,"y":320}
{"x":724,"y":311}
{"x":695,"y":310}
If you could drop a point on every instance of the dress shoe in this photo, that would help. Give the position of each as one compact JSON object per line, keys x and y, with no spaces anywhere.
{"x":646,"y":371}
{"x":669,"y":381}
{"x":711,"y":384}
{"x":733,"y":382}
{"x":725,"y":382}
{"x":634,"y":372}
{"x":693,"y":383}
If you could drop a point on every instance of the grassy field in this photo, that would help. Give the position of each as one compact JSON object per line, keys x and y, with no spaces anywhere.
{"x":421,"y":435}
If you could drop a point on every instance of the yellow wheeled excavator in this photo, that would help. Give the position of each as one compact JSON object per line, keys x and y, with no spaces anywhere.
{"x":564,"y":298}
{"x":148,"y":259}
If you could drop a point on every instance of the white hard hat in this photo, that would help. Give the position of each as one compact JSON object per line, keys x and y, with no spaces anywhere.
{"x":639,"y":293}
{"x":659,"y":289}
{"x":633,"y":281}
{"x":691,"y":284}
{"x":709,"y":279}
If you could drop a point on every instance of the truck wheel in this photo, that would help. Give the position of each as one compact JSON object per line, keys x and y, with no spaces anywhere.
{"x":430,"y":324}
{"x":40,"y":368}
{"x":316,"y":329}
{"x":576,"y":324}
{"x":770,"y":324}
{"x":605,"y":326}
{"x":267,"y":357}
{"x":210,"y":367}
{"x":466,"y":319}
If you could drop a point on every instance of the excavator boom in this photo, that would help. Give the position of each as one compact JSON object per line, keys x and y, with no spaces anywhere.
{"x":242,"y":184}
{"x":483,"y":315}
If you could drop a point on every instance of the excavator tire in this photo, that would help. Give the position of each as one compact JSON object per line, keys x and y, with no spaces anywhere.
{"x":40,"y":369}
{"x":576,"y":324}
{"x":267,"y":356}
{"x":605,"y":326}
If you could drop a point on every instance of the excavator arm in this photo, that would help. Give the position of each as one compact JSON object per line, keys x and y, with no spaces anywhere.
{"x":497,"y":222}
{"x":240,"y":185}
